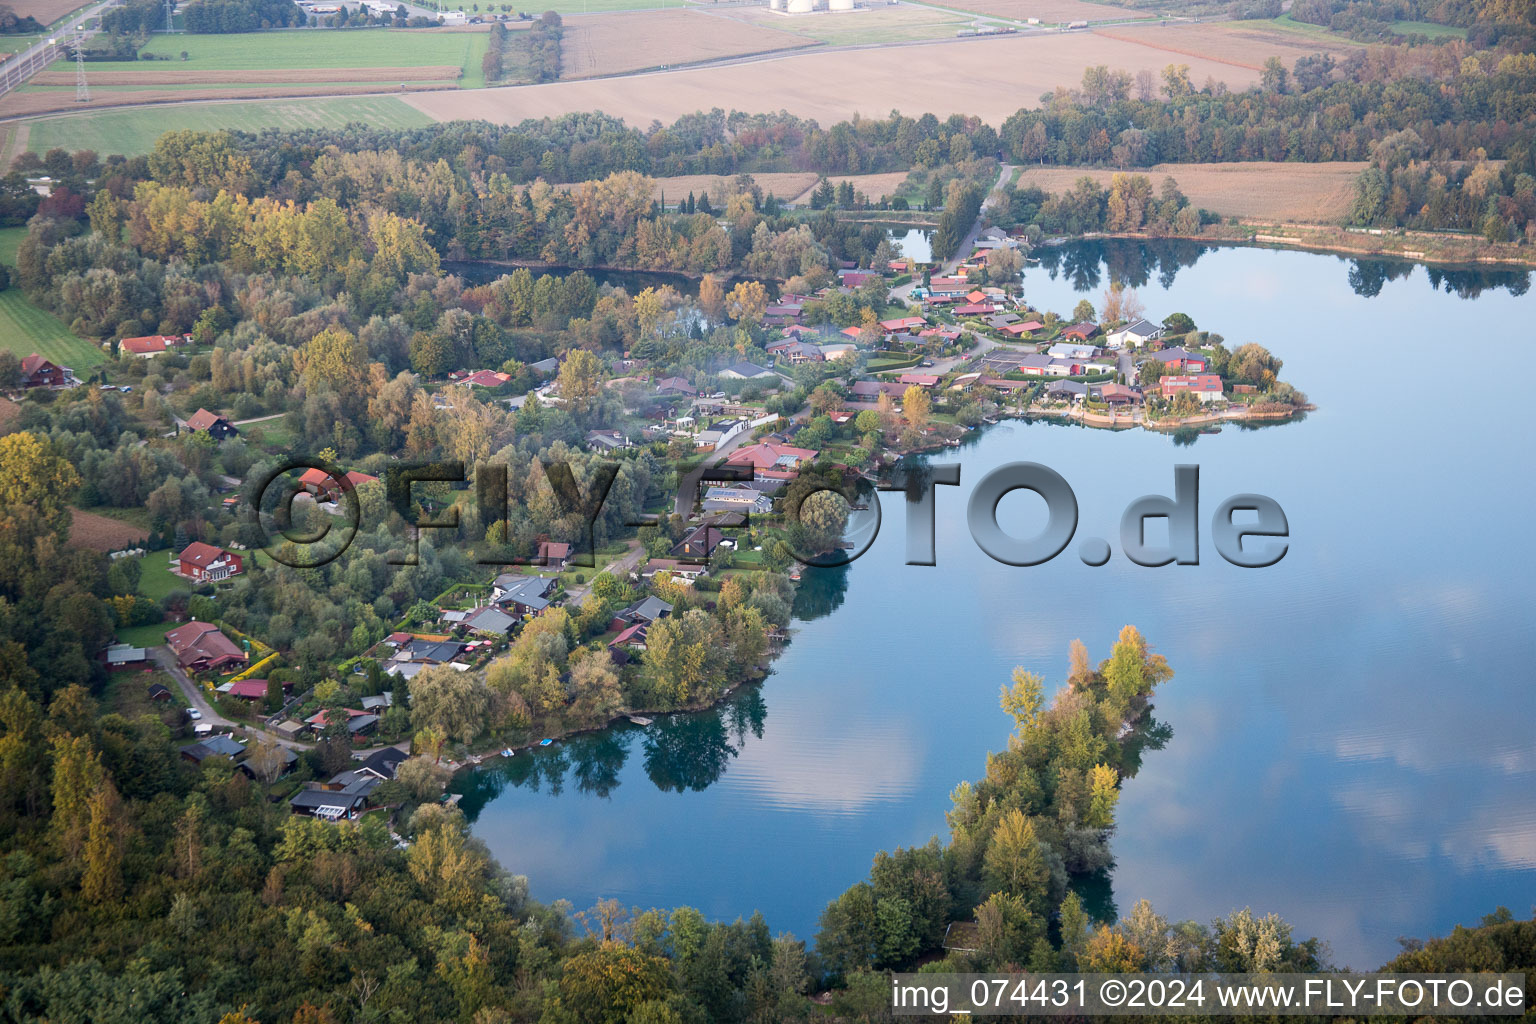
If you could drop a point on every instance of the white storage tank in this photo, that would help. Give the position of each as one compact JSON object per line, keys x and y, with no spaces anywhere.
{"x":775,"y":5}
{"x":799,"y":6}
{"x":839,"y":5}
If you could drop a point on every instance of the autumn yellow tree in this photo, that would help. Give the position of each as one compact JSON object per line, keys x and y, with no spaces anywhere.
{"x":747,"y":302}
{"x":581,"y":379}
{"x":916,"y":406}
{"x":334,"y":359}
{"x":36,"y":481}
{"x":712,"y":297}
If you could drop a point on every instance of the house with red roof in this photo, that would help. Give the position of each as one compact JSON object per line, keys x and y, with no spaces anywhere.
{"x":975,"y":309}
{"x":922,"y":380}
{"x":902,"y":324}
{"x":324,"y":486}
{"x":250,"y":689}
{"x":37,"y":372}
{"x":216,"y":426}
{"x":554,"y":554}
{"x":1081,"y":332}
{"x":201,"y":647}
{"x":772,"y":461}
{"x":486,"y":379}
{"x":1181,"y":360}
{"x":151,"y":345}
{"x":1204,"y":386}
{"x":1022,"y":329}
{"x":205,"y":563}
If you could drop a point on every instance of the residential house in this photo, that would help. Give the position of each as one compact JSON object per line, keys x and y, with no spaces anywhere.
{"x":1204,"y":386}
{"x":675,"y":386}
{"x":212,"y":746}
{"x":1003,"y":383}
{"x":1134,"y":334}
{"x":37,"y":372}
{"x":151,"y":345}
{"x":647,"y":610}
{"x":632,"y":636}
{"x":248,"y":689}
{"x":1069,"y":350}
{"x":547,"y":367}
{"x":359,"y":723}
{"x":489,"y":621}
{"x":324,"y":487}
{"x":204,"y":563}
{"x":1066,"y":391}
{"x":684,"y":572}
{"x":720,"y":435}
{"x":486,"y":379}
{"x":1116,"y":394}
{"x":871,"y":390}
{"x":554,"y":554}
{"x":606,"y":440}
{"x":122,"y":657}
{"x":424,"y":651}
{"x":382,"y":764}
{"x":838,"y":350}
{"x":525,"y":595}
{"x":159,"y":692}
{"x":975,"y":309}
{"x":775,"y":461}
{"x":699,"y":543}
{"x":746,"y":371}
{"x":216,"y":426}
{"x":1181,"y":360}
{"x":922,"y":380}
{"x":856,"y":278}
{"x":331,"y":805}
{"x":201,"y":647}
{"x":737,"y":498}
{"x":1024,"y":328}
{"x":998,"y":321}
{"x":1080,"y":332}
{"x":903,"y":324}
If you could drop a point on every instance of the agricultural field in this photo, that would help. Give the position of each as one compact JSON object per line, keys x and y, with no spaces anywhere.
{"x":902,"y":23}
{"x":783,"y":184}
{"x":1268,"y":192}
{"x":1244,"y":44}
{"x":612,"y":44}
{"x":1049,"y":12}
{"x":290,"y":62}
{"x":26,"y":328}
{"x":103,"y":533}
{"x":132,"y":132}
{"x":45,"y":11}
{"x":1003,"y":74}
{"x":875,"y":186}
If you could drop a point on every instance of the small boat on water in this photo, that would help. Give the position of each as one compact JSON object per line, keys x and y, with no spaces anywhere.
{"x":639,"y":719}
{"x":545,"y":742}
{"x":507,"y":752}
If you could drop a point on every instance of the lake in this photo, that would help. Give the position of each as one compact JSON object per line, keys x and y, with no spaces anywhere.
{"x":1352,"y":728}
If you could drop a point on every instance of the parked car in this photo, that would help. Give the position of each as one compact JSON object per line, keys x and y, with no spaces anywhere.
{"x":193,"y":714}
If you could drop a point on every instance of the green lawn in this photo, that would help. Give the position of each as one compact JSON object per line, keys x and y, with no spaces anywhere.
{"x":27,"y":328}
{"x":10,"y":241}
{"x":287,"y":49}
{"x":152,"y":635}
{"x":1428,"y":28}
{"x":133,"y":132}
{"x":157,"y":579}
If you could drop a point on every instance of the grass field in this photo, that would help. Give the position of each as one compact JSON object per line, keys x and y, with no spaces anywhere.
{"x":1000,"y":74}
{"x":1049,"y":12}
{"x":308,"y":48}
{"x":152,"y":635}
{"x":10,"y":241}
{"x":157,"y":579}
{"x":1428,"y":28}
{"x":875,"y":186}
{"x":27,"y":328}
{"x":132,"y":132}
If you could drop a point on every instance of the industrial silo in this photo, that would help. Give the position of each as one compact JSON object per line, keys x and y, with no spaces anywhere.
{"x":775,"y":5}
{"x":839,"y":5}
{"x":799,"y":6}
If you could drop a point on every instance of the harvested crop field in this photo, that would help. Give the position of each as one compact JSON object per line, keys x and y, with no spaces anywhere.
{"x":431,"y":73}
{"x":784,"y":184}
{"x":1269,"y":192}
{"x":1050,"y":12}
{"x":101,"y":533}
{"x":875,"y":186}
{"x":610,"y":44}
{"x":1003,"y":73}
{"x":49,"y":101}
{"x":896,"y":23}
{"x":1241,"y":44}
{"x":45,"y":11}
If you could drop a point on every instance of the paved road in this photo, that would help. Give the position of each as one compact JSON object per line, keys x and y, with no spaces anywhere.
{"x":1004,"y":176}
{"x":620,"y":567}
{"x":688,"y":487}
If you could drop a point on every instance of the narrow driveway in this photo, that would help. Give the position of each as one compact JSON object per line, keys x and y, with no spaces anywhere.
{"x":194,"y":695}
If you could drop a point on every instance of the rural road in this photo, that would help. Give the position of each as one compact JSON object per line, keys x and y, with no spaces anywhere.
{"x":1004,"y":176}
{"x":194,"y":695}
{"x":15,"y":71}
{"x":688,"y":487}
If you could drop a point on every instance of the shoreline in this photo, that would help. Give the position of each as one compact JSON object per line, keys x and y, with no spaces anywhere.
{"x":1334,"y":242}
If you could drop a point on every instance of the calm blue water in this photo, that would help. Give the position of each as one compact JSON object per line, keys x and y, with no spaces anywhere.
{"x":1352,"y":728}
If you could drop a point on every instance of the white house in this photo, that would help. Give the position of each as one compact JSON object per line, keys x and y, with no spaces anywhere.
{"x":1134,"y":334}
{"x":1070,"y":350}
{"x":720,"y":435}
